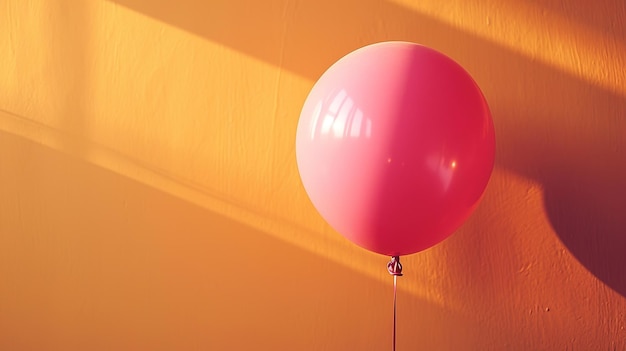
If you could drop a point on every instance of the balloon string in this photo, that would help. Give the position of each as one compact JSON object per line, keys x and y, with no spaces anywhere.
{"x":395,"y":279}
{"x":394,"y":267}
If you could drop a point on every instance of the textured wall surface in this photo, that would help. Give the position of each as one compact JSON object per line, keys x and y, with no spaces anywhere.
{"x":150,"y":200}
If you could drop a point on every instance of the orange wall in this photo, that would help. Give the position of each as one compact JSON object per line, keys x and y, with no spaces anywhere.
{"x":150,"y":200}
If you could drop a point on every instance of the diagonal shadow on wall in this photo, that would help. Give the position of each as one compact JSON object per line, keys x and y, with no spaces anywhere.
{"x":551,"y":126}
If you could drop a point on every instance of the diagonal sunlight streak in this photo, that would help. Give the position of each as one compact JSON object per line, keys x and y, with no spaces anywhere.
{"x":341,"y":252}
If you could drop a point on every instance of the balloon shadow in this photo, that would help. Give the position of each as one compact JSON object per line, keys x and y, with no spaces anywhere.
{"x":576,"y":150}
{"x":587,"y":211}
{"x":567,"y":135}
{"x":551,"y":126}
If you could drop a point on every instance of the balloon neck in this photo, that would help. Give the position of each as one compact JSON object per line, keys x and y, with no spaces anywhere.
{"x":394,"y":267}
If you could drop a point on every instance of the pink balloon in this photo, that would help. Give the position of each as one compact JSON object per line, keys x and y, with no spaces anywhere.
{"x":395,"y":146}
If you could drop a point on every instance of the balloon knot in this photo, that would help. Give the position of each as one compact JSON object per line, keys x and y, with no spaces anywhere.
{"x":394,"y":267}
